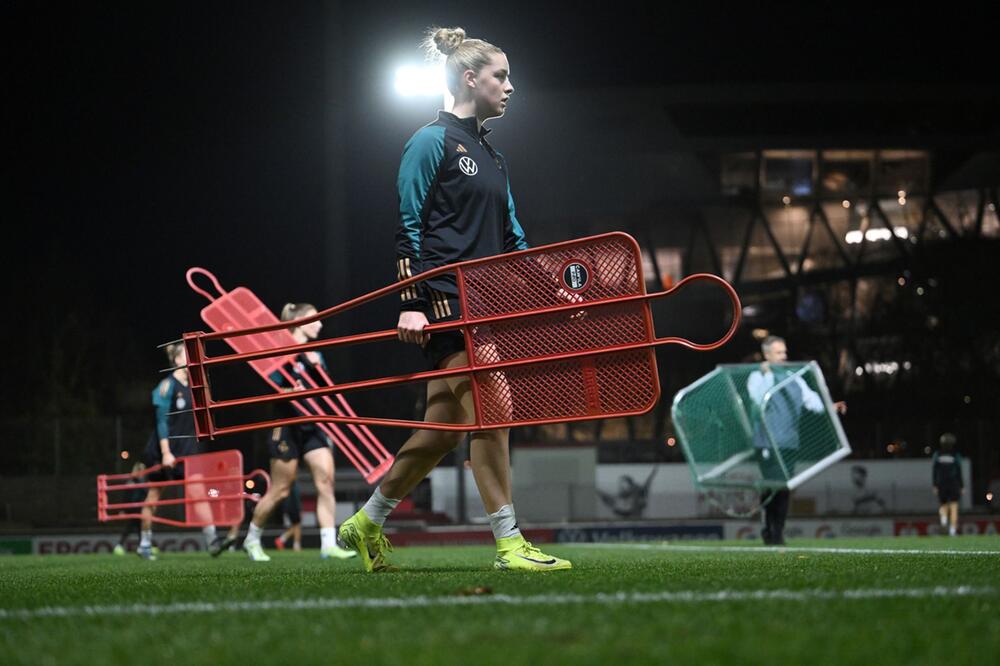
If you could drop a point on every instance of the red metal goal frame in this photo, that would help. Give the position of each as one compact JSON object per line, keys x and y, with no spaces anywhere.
{"x":575,"y":303}
{"x":226,"y":506}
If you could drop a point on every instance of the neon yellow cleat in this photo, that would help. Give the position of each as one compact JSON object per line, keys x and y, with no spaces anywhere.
{"x":255,"y":551}
{"x":517,"y":554}
{"x":364,"y":537}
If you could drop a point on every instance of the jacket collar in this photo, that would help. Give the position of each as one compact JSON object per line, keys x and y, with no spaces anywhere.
{"x":468,"y":124}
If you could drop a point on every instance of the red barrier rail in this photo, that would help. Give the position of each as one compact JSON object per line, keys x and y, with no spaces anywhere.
{"x":556,"y":333}
{"x":212,"y":485}
{"x":242,"y":309}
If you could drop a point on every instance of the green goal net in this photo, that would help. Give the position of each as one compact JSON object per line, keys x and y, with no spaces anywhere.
{"x":758,"y":426}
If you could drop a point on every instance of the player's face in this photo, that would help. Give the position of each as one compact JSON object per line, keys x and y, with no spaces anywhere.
{"x":311,"y":330}
{"x":776,"y":353}
{"x":493,"y":87}
{"x":180,"y":358}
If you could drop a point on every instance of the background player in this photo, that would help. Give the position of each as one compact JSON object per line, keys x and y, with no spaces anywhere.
{"x":289,"y":444}
{"x":948,"y":483}
{"x":173,"y":437}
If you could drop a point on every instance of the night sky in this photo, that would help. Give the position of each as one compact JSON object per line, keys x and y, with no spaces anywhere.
{"x":261,"y":141}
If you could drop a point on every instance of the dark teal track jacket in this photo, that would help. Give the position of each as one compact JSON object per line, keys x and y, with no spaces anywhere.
{"x":454,"y":204}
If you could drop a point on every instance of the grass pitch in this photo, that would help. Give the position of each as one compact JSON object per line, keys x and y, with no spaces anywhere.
{"x":932,"y":601}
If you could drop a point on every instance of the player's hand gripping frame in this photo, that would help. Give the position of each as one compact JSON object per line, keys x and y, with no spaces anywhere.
{"x":556,"y":333}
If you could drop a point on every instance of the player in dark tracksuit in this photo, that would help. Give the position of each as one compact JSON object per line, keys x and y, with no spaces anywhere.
{"x":173,"y":437}
{"x":948,"y":483}
{"x":454,"y":205}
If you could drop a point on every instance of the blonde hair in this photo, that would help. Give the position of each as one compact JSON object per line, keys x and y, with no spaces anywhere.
{"x":172,"y":350}
{"x":295,"y":310}
{"x":460,"y":53}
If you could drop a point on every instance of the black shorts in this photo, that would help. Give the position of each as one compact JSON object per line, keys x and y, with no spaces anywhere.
{"x":949,"y":493}
{"x":441,"y":346}
{"x":443,"y":307}
{"x":179,"y":447}
{"x":293,"y":442}
{"x":175,"y":473}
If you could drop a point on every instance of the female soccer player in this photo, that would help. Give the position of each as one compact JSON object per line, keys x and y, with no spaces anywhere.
{"x":948,"y":483}
{"x":454,"y":204}
{"x":174,"y":437}
{"x":289,"y":444}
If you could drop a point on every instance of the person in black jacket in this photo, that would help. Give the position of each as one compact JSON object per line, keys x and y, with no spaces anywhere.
{"x":173,"y":437}
{"x":946,"y":475}
{"x":455,"y":204}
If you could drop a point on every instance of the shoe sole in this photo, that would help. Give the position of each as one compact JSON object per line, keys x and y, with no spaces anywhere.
{"x":558,"y":567}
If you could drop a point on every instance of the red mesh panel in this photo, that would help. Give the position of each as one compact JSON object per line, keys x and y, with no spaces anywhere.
{"x":240,"y":308}
{"x":560,"y":333}
{"x":533,"y":281}
{"x":609,"y":384}
{"x":588,"y":387}
{"x":627,"y":381}
{"x":214,"y":511}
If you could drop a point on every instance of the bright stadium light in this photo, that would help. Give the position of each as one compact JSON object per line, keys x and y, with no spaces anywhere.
{"x":420,"y":80}
{"x":873,"y":235}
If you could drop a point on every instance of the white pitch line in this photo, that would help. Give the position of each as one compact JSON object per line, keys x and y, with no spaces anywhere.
{"x":762,"y":550}
{"x":680,"y":596}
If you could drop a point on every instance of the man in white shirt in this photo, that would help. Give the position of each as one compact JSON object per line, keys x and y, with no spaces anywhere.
{"x":783,"y":414}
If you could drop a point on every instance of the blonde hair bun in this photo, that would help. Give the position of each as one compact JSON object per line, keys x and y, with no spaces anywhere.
{"x":459,"y":53}
{"x":295,"y":310}
{"x":447,"y":40}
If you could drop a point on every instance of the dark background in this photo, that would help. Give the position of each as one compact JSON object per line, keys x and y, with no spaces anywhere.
{"x":261,"y":141}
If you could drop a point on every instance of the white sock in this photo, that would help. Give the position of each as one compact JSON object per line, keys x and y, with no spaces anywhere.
{"x":944,"y":521}
{"x":504,"y":523}
{"x":378,"y":507}
{"x":253,"y":534}
{"x":952,"y":530}
{"x":146,"y":539}
{"x":209,"y":532}
{"x":327,"y":537}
